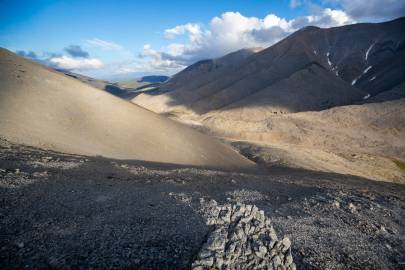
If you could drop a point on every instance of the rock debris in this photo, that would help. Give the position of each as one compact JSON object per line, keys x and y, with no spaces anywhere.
{"x":241,"y":237}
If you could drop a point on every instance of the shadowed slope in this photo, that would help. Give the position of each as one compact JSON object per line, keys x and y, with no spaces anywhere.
{"x":44,"y":108}
{"x":306,"y":90}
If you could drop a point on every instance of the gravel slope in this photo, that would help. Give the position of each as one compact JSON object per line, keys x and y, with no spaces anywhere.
{"x":63,"y":211}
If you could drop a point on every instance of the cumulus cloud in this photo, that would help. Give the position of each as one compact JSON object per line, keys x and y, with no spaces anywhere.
{"x":323,"y":18}
{"x":69,"y":63}
{"x":372,"y":9}
{"x":149,"y":61}
{"x":191,"y":28}
{"x":103,"y":44}
{"x":233,"y":31}
{"x":76,"y":51}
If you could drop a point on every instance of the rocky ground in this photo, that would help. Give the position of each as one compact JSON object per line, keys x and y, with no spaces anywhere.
{"x":69,"y":212}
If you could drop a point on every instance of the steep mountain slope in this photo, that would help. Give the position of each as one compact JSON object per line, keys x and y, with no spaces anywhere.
{"x":305,"y":90}
{"x":198,"y":73}
{"x":41,"y":107}
{"x":367,"y":58}
{"x":397,"y":92}
{"x":192,"y":77}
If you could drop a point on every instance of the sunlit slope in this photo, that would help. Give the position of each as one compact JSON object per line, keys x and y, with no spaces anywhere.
{"x":40,"y":107}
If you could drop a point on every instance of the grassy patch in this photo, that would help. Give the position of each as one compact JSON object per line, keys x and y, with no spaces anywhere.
{"x":400,"y":164}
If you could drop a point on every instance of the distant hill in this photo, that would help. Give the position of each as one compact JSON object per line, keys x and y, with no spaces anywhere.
{"x":123,"y":89}
{"x":154,"y":79}
{"x":110,"y":87}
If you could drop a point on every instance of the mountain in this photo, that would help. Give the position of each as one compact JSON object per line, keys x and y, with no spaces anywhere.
{"x":397,"y":92}
{"x":150,"y":84}
{"x":123,"y":89}
{"x":321,"y":99}
{"x":197,"y":73}
{"x":44,"y":108}
{"x":152,"y":81}
{"x":312,"y":69}
{"x":193,"y":76}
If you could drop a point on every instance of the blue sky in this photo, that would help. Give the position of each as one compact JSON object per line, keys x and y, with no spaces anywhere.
{"x":131,"y":38}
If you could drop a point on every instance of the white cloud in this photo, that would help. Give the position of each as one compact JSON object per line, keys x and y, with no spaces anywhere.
{"x":323,"y":18}
{"x":103,"y":44}
{"x":160,"y":61}
{"x":149,"y":61}
{"x":372,"y":10}
{"x":295,"y":3}
{"x":66,"y":62}
{"x":149,"y":52}
{"x":232,"y":31}
{"x":192,"y":28}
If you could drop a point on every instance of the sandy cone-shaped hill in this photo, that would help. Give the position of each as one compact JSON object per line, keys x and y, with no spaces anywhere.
{"x":40,"y":107}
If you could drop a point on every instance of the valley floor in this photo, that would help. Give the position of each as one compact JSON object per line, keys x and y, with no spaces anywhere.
{"x":62,"y":210}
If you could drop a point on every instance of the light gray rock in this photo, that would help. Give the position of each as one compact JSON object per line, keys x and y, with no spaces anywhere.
{"x":241,"y":237}
{"x":206,"y":262}
{"x":286,"y":243}
{"x":276,"y":261}
{"x":261,"y":253}
{"x":289,"y":260}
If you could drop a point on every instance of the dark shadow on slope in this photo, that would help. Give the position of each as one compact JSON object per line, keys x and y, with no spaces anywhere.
{"x":115,"y":90}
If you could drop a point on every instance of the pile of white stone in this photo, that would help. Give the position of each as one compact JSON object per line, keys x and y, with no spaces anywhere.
{"x":241,"y":237}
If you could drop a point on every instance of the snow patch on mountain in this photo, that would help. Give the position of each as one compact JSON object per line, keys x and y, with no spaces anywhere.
{"x":367,"y":69}
{"x":364,"y":72}
{"x":329,"y":62}
{"x":368,"y":51}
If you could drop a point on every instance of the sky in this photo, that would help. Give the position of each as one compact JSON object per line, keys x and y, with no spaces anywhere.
{"x":126,"y":39}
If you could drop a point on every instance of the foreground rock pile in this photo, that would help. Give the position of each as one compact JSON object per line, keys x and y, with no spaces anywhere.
{"x":242,"y":237}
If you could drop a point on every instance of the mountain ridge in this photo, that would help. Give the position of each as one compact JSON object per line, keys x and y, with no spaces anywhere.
{"x":354,"y":53}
